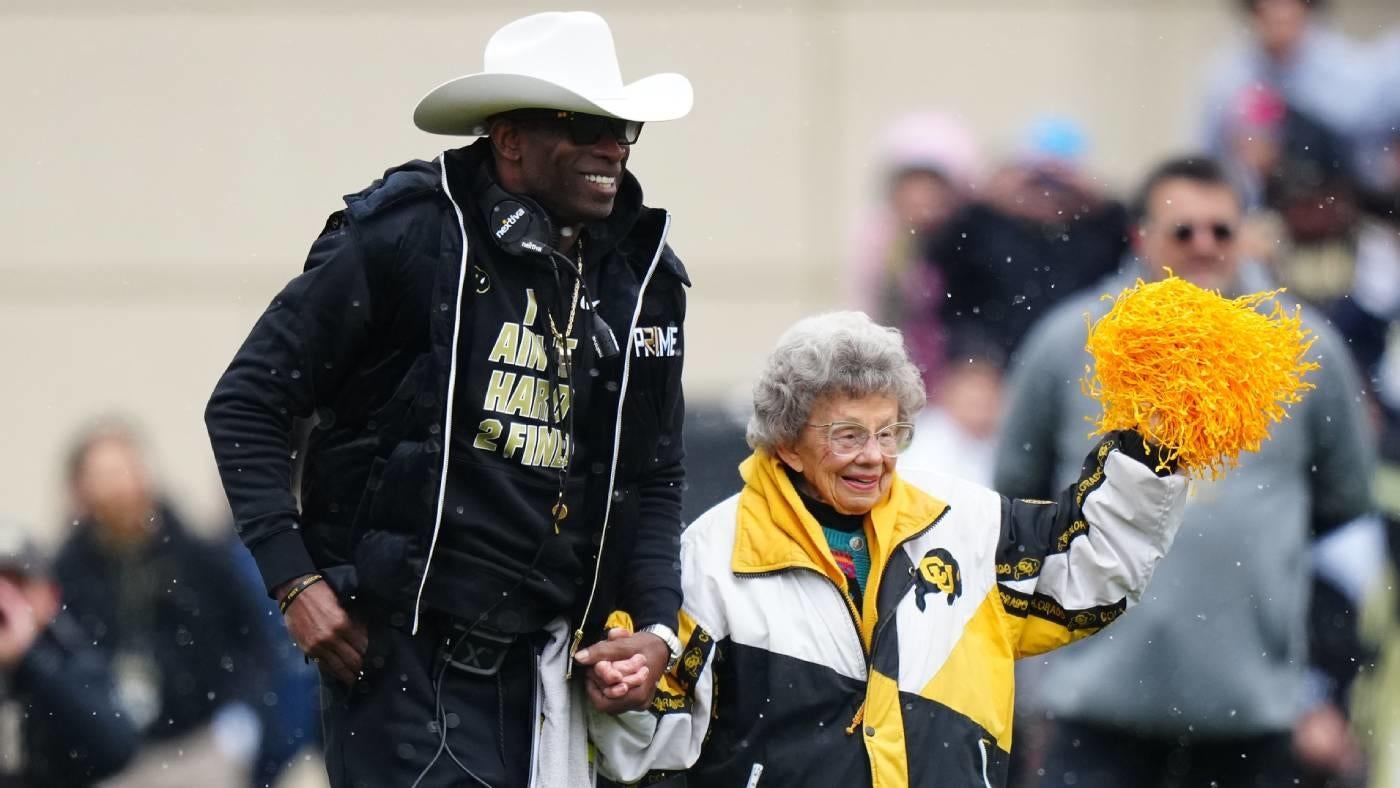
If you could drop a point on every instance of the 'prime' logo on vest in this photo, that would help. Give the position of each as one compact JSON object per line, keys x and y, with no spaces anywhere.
{"x":653,"y":341}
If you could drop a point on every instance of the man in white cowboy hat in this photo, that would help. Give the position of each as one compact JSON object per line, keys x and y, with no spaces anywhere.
{"x":488,"y":346}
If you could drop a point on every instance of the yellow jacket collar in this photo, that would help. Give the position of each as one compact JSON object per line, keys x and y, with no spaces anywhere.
{"x":775,"y":531}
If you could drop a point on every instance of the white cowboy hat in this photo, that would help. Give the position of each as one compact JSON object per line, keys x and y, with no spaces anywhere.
{"x":556,"y":60}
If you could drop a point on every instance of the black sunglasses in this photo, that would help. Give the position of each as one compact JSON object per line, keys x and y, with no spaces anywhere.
{"x":1222,"y":232}
{"x":585,"y":129}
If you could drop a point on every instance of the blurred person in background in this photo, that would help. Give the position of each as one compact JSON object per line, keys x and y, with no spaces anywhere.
{"x":58,"y":723}
{"x":1331,"y":253}
{"x":1253,"y":146}
{"x":1208,"y":680}
{"x":1382,"y":206}
{"x":928,"y":165}
{"x":288,"y":710}
{"x":1375,"y":706}
{"x":1349,"y":86}
{"x":957,"y":433}
{"x":1325,"y":237}
{"x":168,"y":612}
{"x":1039,"y":232}
{"x":1381,"y":192}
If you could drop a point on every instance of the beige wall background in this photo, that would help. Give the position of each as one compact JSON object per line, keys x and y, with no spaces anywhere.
{"x":165,"y":165}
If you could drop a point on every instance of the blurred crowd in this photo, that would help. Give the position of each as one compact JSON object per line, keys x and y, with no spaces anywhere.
{"x":147,"y":654}
{"x":159,"y":661}
{"x":965,"y":254}
{"x":993,"y":270}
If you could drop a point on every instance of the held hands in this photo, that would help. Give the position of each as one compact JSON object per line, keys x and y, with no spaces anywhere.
{"x":325,"y":632}
{"x":623,"y":670}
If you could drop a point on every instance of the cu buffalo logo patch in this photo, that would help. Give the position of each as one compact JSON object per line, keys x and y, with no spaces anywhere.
{"x":1026,"y":567}
{"x":938,"y":573}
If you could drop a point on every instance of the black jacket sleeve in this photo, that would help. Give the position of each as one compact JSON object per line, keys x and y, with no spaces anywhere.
{"x":296,"y":357}
{"x":76,"y":734}
{"x":652,"y":589}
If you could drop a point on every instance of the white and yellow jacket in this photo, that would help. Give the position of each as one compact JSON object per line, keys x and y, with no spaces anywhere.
{"x":785,"y":681}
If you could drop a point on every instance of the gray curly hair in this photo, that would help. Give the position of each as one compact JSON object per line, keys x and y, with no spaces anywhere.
{"x":837,"y":353}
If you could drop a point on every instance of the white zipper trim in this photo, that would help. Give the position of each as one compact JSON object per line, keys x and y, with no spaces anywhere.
{"x":451,"y":387}
{"x":982,"y":745}
{"x":617,"y":426}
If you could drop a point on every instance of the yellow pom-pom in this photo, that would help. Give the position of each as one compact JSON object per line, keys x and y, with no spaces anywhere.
{"x":1200,"y":376}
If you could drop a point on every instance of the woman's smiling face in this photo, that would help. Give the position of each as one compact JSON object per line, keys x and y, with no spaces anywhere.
{"x":854,"y":483}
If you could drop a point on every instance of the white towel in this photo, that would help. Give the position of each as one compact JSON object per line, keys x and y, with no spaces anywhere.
{"x":560,"y":758}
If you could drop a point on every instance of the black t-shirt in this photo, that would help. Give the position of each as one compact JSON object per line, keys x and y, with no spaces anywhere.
{"x":511,"y":436}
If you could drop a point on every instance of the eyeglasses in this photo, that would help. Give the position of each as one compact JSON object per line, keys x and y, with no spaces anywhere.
{"x":847,"y":439}
{"x":585,"y":129}
{"x":1222,"y":233}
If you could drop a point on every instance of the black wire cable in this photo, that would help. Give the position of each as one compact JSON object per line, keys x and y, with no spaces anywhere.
{"x":439,"y":712}
{"x":440,"y":718}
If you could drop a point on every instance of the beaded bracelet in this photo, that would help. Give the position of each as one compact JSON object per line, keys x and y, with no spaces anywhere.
{"x":308,"y":582}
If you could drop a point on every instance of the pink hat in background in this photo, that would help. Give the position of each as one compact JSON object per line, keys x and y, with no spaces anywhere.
{"x":1259,"y":108}
{"x":931,"y":139}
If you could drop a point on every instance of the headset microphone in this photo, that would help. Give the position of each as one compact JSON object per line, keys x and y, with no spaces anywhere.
{"x":521,"y":227}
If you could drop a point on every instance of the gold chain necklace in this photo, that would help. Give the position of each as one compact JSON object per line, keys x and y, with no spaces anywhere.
{"x":573,"y":304}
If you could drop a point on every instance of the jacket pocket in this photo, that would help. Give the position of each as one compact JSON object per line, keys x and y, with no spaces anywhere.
{"x":396,"y":519}
{"x":406,"y":413}
{"x":360,"y":524}
{"x":386,"y":567}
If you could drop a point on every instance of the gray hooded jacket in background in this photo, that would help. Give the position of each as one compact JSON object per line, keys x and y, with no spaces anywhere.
{"x":1219,"y":641}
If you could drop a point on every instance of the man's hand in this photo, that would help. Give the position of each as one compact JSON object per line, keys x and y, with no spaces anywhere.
{"x":325,"y":632}
{"x":623,"y":670}
{"x":19,"y":624}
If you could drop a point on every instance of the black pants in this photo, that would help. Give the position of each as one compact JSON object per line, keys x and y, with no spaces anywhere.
{"x":1087,"y":756}
{"x":386,"y":730}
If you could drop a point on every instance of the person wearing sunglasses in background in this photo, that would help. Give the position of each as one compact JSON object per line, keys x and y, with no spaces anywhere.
{"x":1207,"y":682}
{"x":852,"y":623}
{"x":489,"y":348}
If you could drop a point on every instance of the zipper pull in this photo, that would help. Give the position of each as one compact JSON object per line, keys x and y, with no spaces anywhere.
{"x":856,"y":720}
{"x":573,"y":649}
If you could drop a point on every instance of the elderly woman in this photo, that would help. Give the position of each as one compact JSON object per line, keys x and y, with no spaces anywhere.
{"x":849,"y":625}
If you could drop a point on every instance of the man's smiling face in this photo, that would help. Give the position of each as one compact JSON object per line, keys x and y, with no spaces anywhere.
{"x":575,"y":183}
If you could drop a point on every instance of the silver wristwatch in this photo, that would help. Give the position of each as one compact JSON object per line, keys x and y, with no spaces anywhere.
{"x":673,"y":643}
